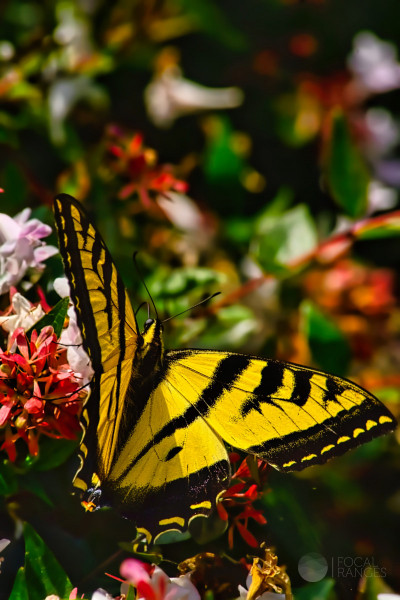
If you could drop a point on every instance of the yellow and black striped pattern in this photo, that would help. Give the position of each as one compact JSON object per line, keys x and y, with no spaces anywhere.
{"x":109,"y":333}
{"x":155,"y":423}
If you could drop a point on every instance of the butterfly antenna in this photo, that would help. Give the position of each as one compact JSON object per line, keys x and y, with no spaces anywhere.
{"x":143,"y":281}
{"x":194,"y":306}
{"x":64,"y":345}
{"x":140,"y":306}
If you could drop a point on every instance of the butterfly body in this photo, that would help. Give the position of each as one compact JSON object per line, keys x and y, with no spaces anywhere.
{"x":156,"y":421}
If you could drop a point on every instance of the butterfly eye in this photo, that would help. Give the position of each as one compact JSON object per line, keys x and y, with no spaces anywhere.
{"x":148,"y":323}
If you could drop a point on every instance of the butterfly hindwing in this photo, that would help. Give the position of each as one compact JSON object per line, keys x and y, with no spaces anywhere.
{"x":291,"y":416}
{"x":172,"y":466}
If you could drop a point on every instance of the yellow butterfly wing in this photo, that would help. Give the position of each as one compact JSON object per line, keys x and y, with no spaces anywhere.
{"x":171,"y":468}
{"x":109,"y":332}
{"x":174,"y":463}
{"x":155,"y":422}
{"x":292,"y":416}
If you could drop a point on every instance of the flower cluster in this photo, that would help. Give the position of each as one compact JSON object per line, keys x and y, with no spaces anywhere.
{"x":350,"y":287}
{"x":138,"y":166}
{"x":199,"y":575}
{"x":152,"y":583}
{"x":22,"y":248}
{"x":39,"y":393}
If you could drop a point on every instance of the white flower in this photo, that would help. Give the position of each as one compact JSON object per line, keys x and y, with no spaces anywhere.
{"x":3,"y":544}
{"x":183,"y":588}
{"x":380,"y":197}
{"x":21,"y":247}
{"x":101,"y":594}
{"x":181,"y":211}
{"x":98,"y":594}
{"x":374,"y":63}
{"x":71,"y":337}
{"x":388,"y":596}
{"x":24,"y":314}
{"x":169,"y":96}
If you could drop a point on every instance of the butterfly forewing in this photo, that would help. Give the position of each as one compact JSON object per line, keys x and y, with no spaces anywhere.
{"x":109,"y":333}
{"x":103,"y":308}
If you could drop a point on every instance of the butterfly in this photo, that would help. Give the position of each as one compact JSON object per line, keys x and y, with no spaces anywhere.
{"x":155,"y":423}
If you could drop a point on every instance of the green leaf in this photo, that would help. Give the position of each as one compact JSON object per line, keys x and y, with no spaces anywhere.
{"x":346,"y":172}
{"x":182,"y":281}
{"x":131,"y":593}
{"x":25,"y":91}
{"x":290,"y":518}
{"x":20,"y":589}
{"x":8,"y":478}
{"x":16,"y":188}
{"x":209,"y":17}
{"x":280,"y":204}
{"x":173,"y":537}
{"x":42,"y":574}
{"x":55,"y":317}
{"x":283,"y":239}
{"x":384,"y":226}
{"x":204,"y":530}
{"x":374,"y":583}
{"x":232,"y":327}
{"x":52,"y":453}
{"x":239,"y":229}
{"x":319,"y":590}
{"x":329,"y":347}
{"x":31,"y":483}
{"x":222,"y":161}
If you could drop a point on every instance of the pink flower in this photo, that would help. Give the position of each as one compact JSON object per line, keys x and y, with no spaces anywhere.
{"x":21,"y":248}
{"x":152,"y":583}
{"x":374,"y":63}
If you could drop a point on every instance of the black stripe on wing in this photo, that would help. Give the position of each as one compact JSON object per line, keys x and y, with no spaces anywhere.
{"x":333,"y":437}
{"x":70,"y":251}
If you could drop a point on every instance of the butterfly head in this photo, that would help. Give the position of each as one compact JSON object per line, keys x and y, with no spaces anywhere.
{"x":152,"y":346}
{"x":152,"y":330}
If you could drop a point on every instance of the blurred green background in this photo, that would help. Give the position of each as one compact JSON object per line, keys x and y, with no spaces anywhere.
{"x":283,"y":118}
